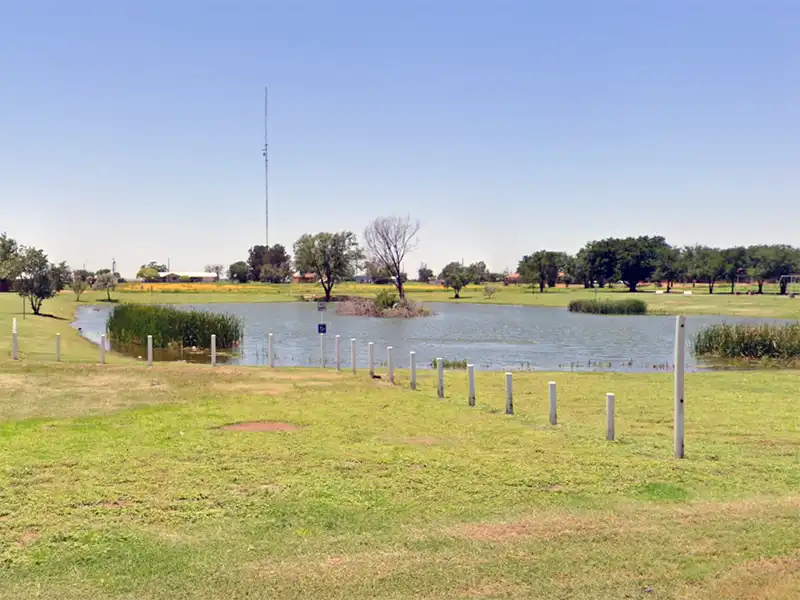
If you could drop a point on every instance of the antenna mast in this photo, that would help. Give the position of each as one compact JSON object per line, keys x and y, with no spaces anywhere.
{"x":266,"y":171}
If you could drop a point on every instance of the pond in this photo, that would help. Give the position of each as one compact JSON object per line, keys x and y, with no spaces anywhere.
{"x":493,"y":337}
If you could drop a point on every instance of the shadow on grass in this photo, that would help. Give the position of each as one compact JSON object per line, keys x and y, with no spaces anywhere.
{"x":49,"y":316}
{"x":111,"y":301}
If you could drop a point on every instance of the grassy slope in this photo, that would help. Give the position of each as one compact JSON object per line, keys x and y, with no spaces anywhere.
{"x":700,"y":302}
{"x":115,"y":483}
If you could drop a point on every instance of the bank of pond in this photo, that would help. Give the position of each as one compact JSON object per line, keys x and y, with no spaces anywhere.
{"x":493,"y":337}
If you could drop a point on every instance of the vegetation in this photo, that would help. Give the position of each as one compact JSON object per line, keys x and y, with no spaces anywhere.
{"x":118,"y":483}
{"x":239,"y":271}
{"x":79,"y":286}
{"x":766,"y":340}
{"x":450,"y":364}
{"x":332,"y":257}
{"x":106,"y":281}
{"x":624,"y":306}
{"x":217,"y":269}
{"x":541,"y":267}
{"x":489,"y":291}
{"x":424,"y":274}
{"x":388,"y":241}
{"x":455,"y":276}
{"x":386,"y":299}
{"x":130,"y":324}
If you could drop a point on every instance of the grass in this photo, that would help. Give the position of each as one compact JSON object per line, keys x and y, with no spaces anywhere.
{"x":171,"y":327}
{"x":117,"y":482}
{"x":609,"y":306}
{"x":764,"y":341}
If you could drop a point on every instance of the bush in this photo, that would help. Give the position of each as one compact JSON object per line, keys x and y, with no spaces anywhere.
{"x":170,"y":327}
{"x":628,"y":306}
{"x":385,"y":299}
{"x":489,"y":291}
{"x":767,"y":340}
{"x":450,"y":364}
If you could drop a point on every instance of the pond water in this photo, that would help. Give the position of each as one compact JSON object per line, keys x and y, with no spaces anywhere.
{"x":490,"y":336}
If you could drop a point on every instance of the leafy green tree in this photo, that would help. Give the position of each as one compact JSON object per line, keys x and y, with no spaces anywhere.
{"x":275,"y":257}
{"x":332,"y":257}
{"x":424,"y":274}
{"x":636,"y":258}
{"x":239,"y":271}
{"x":539,"y":267}
{"x":275,"y":274}
{"x":735,"y":264}
{"x":159,"y":268}
{"x":710,"y":265}
{"x":377,"y":273}
{"x":38,"y":279}
{"x":79,"y":286}
{"x":83,"y":275}
{"x":578,"y":269}
{"x":601,"y":261}
{"x":147,"y":274}
{"x":455,"y":276}
{"x":478,"y":273}
{"x":669,"y":267}
{"x":106,"y":281}
{"x":9,"y":261}
{"x":772,"y":262}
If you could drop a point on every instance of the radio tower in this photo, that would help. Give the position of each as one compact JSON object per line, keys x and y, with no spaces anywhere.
{"x":266,"y":172}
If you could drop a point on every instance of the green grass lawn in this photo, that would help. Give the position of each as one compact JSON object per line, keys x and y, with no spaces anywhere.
{"x":116,"y":482}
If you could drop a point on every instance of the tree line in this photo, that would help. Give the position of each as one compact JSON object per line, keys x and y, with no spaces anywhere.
{"x":636,"y":260}
{"x":28,"y":271}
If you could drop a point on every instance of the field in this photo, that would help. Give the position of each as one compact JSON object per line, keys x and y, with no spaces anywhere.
{"x":700,"y":302}
{"x":117,"y":482}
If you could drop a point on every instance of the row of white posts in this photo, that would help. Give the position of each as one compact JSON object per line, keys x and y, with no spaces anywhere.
{"x":680,"y":355}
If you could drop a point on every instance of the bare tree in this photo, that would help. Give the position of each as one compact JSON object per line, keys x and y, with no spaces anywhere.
{"x":389,"y":240}
{"x":217,"y":269}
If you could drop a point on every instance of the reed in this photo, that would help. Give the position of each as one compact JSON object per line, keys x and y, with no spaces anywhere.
{"x":627,"y":306}
{"x":171,"y":327}
{"x":762,"y":341}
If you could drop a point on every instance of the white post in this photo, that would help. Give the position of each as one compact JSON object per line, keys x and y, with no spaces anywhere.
{"x":371,"y":348}
{"x":149,"y":350}
{"x":103,"y":349}
{"x":338,"y":353}
{"x":553,"y":416}
{"x":271,"y":351}
{"x":58,"y":347}
{"x":471,"y":377}
{"x":680,"y":354}
{"x":389,"y":363}
{"x":213,"y":350}
{"x":412,"y":363}
{"x":322,"y":350}
{"x":440,"y":377}
{"x":14,"y":343}
{"x":353,"y":354}
{"x":610,"y":417}
{"x":509,"y":396}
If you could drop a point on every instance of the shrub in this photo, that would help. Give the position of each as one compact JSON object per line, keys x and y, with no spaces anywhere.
{"x":450,"y":364}
{"x":171,"y":327}
{"x":385,"y":299}
{"x":766,"y":340}
{"x":488,"y":291}
{"x":628,"y":306}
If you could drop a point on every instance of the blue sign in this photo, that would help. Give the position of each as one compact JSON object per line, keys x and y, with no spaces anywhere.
{"x":322,"y":328}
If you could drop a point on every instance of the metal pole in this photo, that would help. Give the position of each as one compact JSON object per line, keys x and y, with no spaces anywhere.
{"x":58,"y":347}
{"x":440,"y":377}
{"x":149,"y":350}
{"x":680,"y":355}
{"x":271,"y":352}
{"x":213,"y":350}
{"x":412,"y":360}
{"x":353,"y":354}
{"x":338,"y":353}
{"x":389,"y":363}
{"x":471,"y":377}
{"x":103,"y":349}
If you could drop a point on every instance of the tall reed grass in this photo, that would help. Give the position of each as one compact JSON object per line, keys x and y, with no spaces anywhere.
{"x":765,"y":340}
{"x":626,"y":306}
{"x":171,"y":327}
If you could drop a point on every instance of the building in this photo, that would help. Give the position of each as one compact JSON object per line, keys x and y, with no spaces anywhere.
{"x":187,"y":276}
{"x":304,"y":278}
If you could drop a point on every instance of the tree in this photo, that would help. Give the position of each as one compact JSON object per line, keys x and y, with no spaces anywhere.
{"x":83,"y":275}
{"x":424,"y":274}
{"x":106,"y":280}
{"x":159,"y":268}
{"x":376,"y":272}
{"x":478,"y":273}
{"x":569,"y":269}
{"x":9,"y":261}
{"x":455,"y":276}
{"x":668,"y":266}
{"x":272,"y":274}
{"x":771,"y":262}
{"x":541,"y":267}
{"x":79,"y":286}
{"x":601,"y":261}
{"x":332,"y":257}
{"x":217,"y":269}
{"x":710,"y":265}
{"x":239,"y":271}
{"x":579,"y":269}
{"x":275,"y":257}
{"x":635,"y":258}
{"x":38,"y":279}
{"x":389,"y":240}
{"x":147,"y":274}
{"x":735,"y":264}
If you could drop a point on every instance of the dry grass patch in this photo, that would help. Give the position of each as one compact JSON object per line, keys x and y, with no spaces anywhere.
{"x":763,"y":579}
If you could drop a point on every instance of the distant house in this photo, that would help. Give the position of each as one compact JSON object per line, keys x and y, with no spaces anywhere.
{"x":191,"y":276}
{"x":512,"y":278}
{"x":363,"y":279}
{"x":304,"y":278}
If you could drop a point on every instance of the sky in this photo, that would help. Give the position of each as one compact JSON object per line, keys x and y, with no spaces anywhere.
{"x":133,"y":131}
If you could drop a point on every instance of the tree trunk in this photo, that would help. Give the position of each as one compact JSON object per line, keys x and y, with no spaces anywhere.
{"x":327,"y":289}
{"x":541,"y":285}
{"x":36,"y":304}
{"x":456,"y":293}
{"x":669,"y":286}
{"x":761,"y":286}
{"x":733,"y":286}
{"x":632,"y":286}
{"x":399,"y":284}
{"x":711,"y":286}
{"x":783,"y":285}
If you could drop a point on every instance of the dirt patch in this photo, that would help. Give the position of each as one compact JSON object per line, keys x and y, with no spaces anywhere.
{"x":763,"y":579}
{"x":260,"y":426}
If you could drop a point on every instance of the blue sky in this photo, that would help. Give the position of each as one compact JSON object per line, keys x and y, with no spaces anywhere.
{"x":133,"y":130}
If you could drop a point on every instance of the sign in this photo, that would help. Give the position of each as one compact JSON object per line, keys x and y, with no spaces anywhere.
{"x":321,"y":306}
{"x":322,"y":328}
